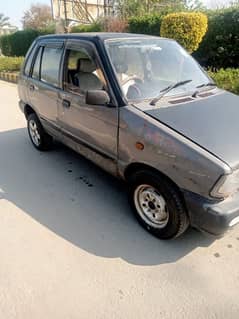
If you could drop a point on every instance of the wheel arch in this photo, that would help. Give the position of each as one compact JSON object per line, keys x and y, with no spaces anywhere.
{"x":137,"y":166}
{"x":28,"y":109}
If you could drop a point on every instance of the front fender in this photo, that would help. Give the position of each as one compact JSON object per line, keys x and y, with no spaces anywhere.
{"x":188,"y":165}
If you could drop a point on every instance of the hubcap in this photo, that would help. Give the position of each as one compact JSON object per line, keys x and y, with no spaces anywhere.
{"x":151,"y":206}
{"x":33,"y":130}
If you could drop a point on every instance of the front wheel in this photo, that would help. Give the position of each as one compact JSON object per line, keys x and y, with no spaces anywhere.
{"x":158,"y":205}
{"x":40,"y":139}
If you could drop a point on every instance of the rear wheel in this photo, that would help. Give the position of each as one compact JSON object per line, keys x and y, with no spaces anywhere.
{"x":40,"y":139}
{"x":158,"y":205}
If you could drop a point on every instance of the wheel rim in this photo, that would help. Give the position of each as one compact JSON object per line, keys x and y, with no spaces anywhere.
{"x":34,"y":133}
{"x":151,"y":206}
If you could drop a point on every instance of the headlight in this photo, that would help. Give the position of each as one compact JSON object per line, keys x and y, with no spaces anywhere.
{"x":226,"y":186}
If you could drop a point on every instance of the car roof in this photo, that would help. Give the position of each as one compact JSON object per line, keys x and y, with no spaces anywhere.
{"x":96,"y":35}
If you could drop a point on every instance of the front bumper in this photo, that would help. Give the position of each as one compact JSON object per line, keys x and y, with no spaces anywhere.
{"x":210,"y":216}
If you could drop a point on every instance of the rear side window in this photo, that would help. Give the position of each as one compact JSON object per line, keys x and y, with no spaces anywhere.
{"x":50,"y":65}
{"x":36,"y":67}
{"x":28,"y":64}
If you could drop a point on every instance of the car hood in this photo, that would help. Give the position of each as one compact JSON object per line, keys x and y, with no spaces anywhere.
{"x":212,"y":123}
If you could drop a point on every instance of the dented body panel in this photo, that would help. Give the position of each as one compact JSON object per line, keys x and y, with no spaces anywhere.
{"x":212,"y":123}
{"x":188,"y":165}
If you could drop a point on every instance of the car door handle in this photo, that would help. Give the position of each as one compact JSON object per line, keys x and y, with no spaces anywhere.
{"x":32,"y":87}
{"x":66,"y":103}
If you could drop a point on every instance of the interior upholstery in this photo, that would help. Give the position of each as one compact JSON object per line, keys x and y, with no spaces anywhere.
{"x":86,"y":66}
{"x":85,"y":78}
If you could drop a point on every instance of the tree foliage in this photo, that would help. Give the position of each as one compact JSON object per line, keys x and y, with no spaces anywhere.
{"x":195,"y":5}
{"x":4,"y":21}
{"x":129,"y":8}
{"x":133,"y":8}
{"x":220,"y":46}
{"x":37,"y":17}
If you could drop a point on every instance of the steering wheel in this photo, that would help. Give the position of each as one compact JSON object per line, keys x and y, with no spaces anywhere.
{"x":133,"y":77}
{"x":134,"y":91}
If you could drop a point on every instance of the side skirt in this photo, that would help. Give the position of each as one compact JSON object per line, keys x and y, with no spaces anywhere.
{"x":102,"y":160}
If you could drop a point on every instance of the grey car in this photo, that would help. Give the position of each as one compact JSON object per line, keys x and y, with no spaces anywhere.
{"x":142,"y":109}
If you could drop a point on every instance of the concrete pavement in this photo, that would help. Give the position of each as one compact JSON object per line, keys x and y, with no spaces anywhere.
{"x":70,"y":248}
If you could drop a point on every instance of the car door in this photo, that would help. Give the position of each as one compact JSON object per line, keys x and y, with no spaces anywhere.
{"x":90,"y":129}
{"x":44,"y":84}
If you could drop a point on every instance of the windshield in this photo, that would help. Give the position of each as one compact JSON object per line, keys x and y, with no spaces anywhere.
{"x":145,"y":66}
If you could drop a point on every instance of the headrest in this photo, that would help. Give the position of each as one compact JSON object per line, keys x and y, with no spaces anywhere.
{"x":86,"y":66}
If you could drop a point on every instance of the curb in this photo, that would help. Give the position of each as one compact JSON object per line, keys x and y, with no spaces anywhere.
{"x":9,"y":77}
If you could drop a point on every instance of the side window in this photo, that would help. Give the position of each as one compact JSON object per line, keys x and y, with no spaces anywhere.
{"x":28,"y":64}
{"x":82,"y":72}
{"x":50,"y":65}
{"x":37,"y":63}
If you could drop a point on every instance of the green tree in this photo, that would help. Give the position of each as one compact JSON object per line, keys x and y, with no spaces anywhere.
{"x":234,"y":3}
{"x":195,"y":5}
{"x":4,"y":21}
{"x":129,"y":8}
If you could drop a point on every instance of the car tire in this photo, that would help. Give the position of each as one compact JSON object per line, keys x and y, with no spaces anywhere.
{"x":158,"y":205}
{"x":39,"y":138}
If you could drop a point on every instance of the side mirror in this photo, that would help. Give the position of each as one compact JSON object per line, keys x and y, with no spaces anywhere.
{"x":97,"y":97}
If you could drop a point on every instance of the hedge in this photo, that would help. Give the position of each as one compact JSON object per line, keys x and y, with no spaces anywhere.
{"x":10,"y":63}
{"x":17,"y":44}
{"x":227,"y":79}
{"x":94,"y":27}
{"x":220,"y":46}
{"x":147,"y":24}
{"x":188,"y":28}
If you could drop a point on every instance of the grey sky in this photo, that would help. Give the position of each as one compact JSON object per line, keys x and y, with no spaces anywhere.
{"x":15,"y":9}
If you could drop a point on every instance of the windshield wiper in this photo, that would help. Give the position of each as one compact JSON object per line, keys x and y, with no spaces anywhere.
{"x":206,"y":84}
{"x":163,"y":92}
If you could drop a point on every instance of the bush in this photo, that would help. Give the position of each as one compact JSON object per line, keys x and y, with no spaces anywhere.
{"x":94,"y":27}
{"x":188,"y":28}
{"x":5,"y":45}
{"x":10,"y":63}
{"x":114,"y":24}
{"x":227,"y":79}
{"x":17,"y":44}
{"x":220,"y":46}
{"x":147,"y":24}
{"x":50,"y":29}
